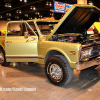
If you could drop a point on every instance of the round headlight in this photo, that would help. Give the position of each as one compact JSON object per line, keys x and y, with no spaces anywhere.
{"x":86,"y":53}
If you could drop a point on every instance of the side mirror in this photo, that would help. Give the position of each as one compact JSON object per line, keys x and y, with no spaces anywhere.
{"x":26,"y":35}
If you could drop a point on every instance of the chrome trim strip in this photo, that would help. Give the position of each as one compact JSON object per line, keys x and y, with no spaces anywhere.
{"x":23,"y":57}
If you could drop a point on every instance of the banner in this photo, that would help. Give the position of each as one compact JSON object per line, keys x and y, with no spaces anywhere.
{"x":60,"y":7}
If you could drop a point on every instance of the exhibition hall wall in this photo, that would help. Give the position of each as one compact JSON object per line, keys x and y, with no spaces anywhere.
{"x":3,"y":25}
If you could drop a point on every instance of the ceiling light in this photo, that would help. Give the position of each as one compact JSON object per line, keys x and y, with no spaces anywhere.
{"x":30,"y":17}
{"x":16,"y":17}
{"x":31,"y":7}
{"x":0,"y":16}
{"x":34,"y":8}
{"x":20,"y":0}
{"x":38,"y":13}
{"x":26,"y":15}
{"x":52,"y":14}
{"x":25,"y":0}
{"x":8,"y":14}
{"x":8,"y":19}
{"x":90,"y":3}
{"x":7,"y":5}
{"x":51,"y":10}
{"x":40,"y":16}
{"x":47,"y":3}
{"x":18,"y":11}
{"x":50,"y":4}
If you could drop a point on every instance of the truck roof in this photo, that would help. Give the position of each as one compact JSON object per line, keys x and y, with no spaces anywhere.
{"x":43,"y":20}
{"x":36,"y":20}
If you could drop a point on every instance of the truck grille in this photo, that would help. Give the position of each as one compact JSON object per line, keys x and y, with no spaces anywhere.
{"x":95,"y":51}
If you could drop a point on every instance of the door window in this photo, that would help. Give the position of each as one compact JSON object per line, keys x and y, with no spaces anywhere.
{"x":18,"y":29}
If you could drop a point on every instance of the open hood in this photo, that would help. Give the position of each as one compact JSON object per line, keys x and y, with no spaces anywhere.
{"x":77,"y":19}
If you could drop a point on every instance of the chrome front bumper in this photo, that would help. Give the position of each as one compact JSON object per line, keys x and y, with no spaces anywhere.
{"x":81,"y":66}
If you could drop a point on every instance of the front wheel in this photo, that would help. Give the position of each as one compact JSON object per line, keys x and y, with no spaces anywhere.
{"x":58,"y":70}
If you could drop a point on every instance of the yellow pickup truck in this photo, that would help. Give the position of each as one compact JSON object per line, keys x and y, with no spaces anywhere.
{"x":61,"y":45}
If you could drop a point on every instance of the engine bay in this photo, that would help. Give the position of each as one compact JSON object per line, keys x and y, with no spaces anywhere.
{"x":74,"y":38}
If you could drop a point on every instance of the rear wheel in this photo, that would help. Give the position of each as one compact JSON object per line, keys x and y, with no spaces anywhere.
{"x":58,"y":70}
{"x":3,"y":59}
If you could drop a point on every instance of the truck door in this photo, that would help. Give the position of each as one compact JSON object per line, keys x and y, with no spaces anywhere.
{"x":21,"y":43}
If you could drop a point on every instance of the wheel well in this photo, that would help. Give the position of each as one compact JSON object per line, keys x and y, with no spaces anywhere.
{"x":52,"y":53}
{"x":1,"y":47}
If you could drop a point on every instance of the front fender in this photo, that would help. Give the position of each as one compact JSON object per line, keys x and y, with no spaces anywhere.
{"x":63,"y":48}
{"x":71,"y":62}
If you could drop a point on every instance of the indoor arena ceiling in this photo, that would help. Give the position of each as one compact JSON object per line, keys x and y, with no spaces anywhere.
{"x":30,"y":9}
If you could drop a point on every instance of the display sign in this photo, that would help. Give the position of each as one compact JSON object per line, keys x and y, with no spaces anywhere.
{"x":60,"y":7}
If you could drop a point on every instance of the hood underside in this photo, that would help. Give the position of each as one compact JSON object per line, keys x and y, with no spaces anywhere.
{"x":77,"y":19}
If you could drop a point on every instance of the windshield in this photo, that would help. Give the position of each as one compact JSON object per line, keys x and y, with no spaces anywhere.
{"x":46,"y":27}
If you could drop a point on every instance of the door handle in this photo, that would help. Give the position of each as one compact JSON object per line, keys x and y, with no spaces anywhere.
{"x":8,"y":41}
{"x":31,"y":39}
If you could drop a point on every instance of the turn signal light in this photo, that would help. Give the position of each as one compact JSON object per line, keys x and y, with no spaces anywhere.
{"x":72,"y":52}
{"x":86,"y":59}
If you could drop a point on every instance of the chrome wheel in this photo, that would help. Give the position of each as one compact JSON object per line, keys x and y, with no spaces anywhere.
{"x":55,"y":72}
{"x":1,"y":57}
{"x":58,"y":71}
